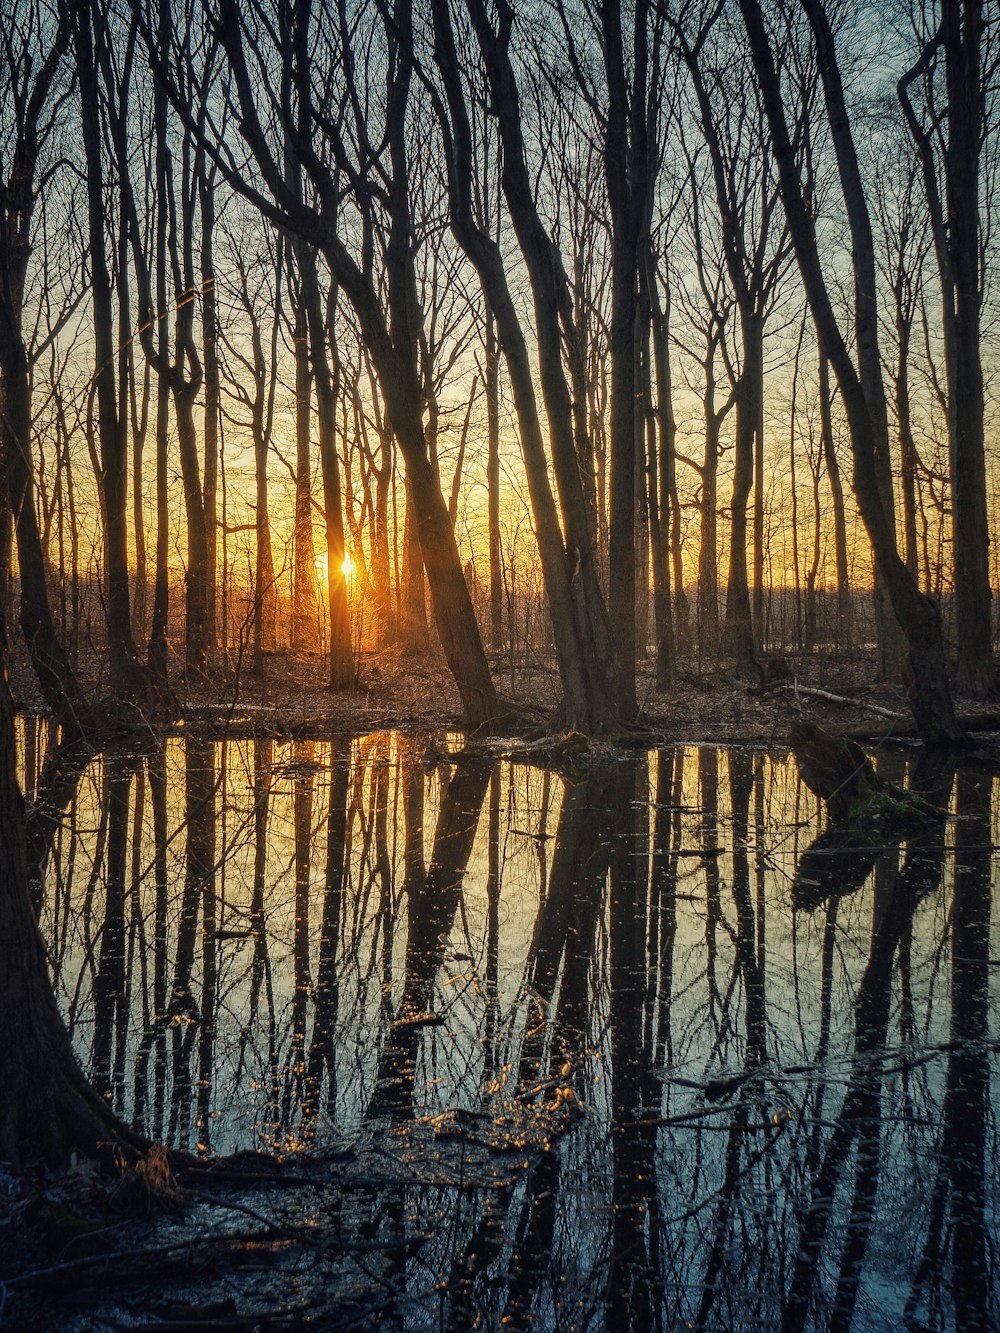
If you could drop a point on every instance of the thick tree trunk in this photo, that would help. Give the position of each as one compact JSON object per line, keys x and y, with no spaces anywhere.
{"x":962,"y":25}
{"x":626,"y":170}
{"x":955,"y":228}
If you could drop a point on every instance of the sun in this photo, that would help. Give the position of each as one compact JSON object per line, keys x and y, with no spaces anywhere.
{"x":346,"y":565}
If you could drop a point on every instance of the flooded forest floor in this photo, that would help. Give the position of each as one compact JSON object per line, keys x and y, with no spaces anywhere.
{"x":400,"y":689}
{"x":453,"y":1037}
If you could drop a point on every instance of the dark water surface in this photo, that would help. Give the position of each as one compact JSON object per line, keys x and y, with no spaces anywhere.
{"x":615,"y":1050}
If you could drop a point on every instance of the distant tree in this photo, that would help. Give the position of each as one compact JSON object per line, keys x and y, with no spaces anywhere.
{"x":320,"y":322}
{"x":706,"y":305}
{"x":756,"y":251}
{"x":253,"y":288}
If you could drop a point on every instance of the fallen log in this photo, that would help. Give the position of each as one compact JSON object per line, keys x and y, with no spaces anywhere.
{"x":840,"y":773}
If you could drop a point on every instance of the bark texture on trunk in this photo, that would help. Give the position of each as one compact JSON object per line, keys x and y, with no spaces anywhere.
{"x":955,"y":229}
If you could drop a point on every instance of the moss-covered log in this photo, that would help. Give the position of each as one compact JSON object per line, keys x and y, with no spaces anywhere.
{"x":841,"y":774}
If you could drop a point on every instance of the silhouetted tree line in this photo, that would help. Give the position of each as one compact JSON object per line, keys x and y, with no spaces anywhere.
{"x":630,"y":270}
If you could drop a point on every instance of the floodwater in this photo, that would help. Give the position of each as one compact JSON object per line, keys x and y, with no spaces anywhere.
{"x":616,"y":1049}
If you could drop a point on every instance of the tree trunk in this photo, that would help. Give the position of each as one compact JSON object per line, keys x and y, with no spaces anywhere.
{"x":304,"y":621}
{"x":414,"y":597}
{"x":626,"y":172}
{"x":113,"y":478}
{"x":657,"y":503}
{"x":708,"y":548}
{"x":342,"y":671}
{"x":157,"y":654}
{"x":740,"y":640}
{"x":845,"y":610}
{"x":669,"y":500}
{"x":492,"y":386}
{"x":213,"y":393}
{"x":955,"y":228}
{"x":962,"y":25}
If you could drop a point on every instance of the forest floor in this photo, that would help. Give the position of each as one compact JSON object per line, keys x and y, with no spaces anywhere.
{"x":412,"y":691}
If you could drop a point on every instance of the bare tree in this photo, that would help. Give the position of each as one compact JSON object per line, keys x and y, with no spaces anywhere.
{"x":379,"y":179}
{"x":576,"y":605}
{"x":30,"y":87}
{"x":861,"y":388}
{"x":951,"y":175}
{"x":90,"y":38}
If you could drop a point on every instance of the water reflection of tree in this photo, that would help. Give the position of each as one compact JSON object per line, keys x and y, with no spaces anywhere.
{"x":558,"y":1025}
{"x":190,"y":1019}
{"x":959,"y":1186}
{"x":323,"y":1046}
{"x":633,"y":1271}
{"x":858,"y":1127}
{"x":665,"y":986}
{"x":110,"y":991}
{"x":430,"y":915}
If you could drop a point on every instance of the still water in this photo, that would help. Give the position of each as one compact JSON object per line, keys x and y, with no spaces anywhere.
{"x":616,"y":1048}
